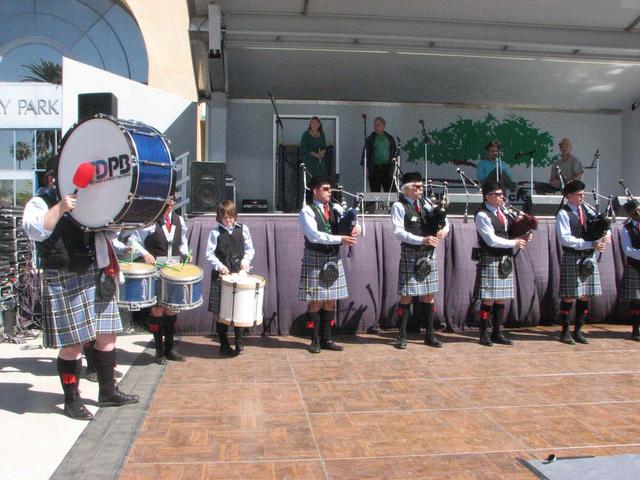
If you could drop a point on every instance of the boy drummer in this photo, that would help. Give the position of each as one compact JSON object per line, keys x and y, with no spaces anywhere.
{"x":230,"y":250}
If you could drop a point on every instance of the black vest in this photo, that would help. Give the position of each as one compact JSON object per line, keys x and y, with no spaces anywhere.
{"x":68,"y":247}
{"x":421,"y":224}
{"x":327,"y":226}
{"x":230,"y":248}
{"x":577,"y":230}
{"x":634,"y":236}
{"x":156,"y":243}
{"x":499,"y":229}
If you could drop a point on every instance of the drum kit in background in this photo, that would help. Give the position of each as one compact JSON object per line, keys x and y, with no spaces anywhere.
{"x":132,"y":178}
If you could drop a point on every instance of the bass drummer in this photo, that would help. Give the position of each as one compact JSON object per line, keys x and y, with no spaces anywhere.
{"x":230,"y":250}
{"x":167,"y":237}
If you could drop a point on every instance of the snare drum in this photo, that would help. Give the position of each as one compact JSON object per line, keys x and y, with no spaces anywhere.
{"x":241,"y":299}
{"x":133,"y":173}
{"x":139,"y":287}
{"x":180,"y":287}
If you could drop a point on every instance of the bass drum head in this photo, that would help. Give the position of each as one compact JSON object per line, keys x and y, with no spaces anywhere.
{"x":100,"y":141}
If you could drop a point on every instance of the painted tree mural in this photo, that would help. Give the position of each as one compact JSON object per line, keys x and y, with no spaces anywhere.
{"x":465,"y":140}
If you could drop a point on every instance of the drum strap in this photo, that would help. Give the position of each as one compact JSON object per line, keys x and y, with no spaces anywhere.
{"x":169,"y":236}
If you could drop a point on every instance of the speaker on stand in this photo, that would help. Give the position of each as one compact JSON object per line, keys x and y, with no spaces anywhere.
{"x":90,"y":104}
{"x":207,"y":186}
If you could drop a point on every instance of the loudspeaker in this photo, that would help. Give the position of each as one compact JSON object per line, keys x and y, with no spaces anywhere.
{"x":90,"y":104}
{"x":207,"y":186}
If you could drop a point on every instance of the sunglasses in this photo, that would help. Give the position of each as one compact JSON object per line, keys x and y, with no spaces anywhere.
{"x":325,"y":189}
{"x":497,"y":194}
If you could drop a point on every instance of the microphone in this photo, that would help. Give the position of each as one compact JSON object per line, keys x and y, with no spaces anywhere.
{"x":597,"y":154}
{"x":269,"y":93}
{"x":398,"y":140}
{"x":523,"y":154}
{"x":363,"y":115}
{"x":421,"y":122}
{"x":83,"y":175}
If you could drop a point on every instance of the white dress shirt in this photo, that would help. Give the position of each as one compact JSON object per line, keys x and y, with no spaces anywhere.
{"x":397,"y":218}
{"x":487,"y":232}
{"x":563,"y":230}
{"x":212,"y":243}
{"x":307,"y":219}
{"x":137,"y":238}
{"x":625,"y":240}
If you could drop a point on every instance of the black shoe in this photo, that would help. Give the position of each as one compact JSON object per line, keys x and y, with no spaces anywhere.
{"x":314,"y":347}
{"x":331,"y":345}
{"x":579,"y":338}
{"x":485,"y":340}
{"x":635,"y":333}
{"x":432,"y":341}
{"x":77,"y":410}
{"x":116,"y":398}
{"x":91,"y":375}
{"x":566,"y":338}
{"x":400,"y":343}
{"x":174,"y":355}
{"x":160,"y":360}
{"x":226,"y":350}
{"x":501,"y":339}
{"x":239,"y":349}
{"x":116,"y":374}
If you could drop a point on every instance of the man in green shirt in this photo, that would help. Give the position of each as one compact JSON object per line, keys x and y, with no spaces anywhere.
{"x":380,"y":149}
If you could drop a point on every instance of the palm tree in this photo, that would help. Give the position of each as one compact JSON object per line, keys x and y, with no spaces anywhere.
{"x":22,"y":150}
{"x":45,"y":71}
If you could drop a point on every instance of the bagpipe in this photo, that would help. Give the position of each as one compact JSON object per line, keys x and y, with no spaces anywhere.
{"x":598,"y":223}
{"x":521,"y":224}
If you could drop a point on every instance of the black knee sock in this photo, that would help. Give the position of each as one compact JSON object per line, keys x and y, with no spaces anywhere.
{"x":313,"y":320}
{"x":485,"y":314}
{"x":239,"y":334}
{"x":427,"y":315}
{"x":403,"y":315}
{"x":582,"y":310}
{"x":87,"y":349}
{"x":498,"y":311}
{"x":69,"y":372}
{"x":564,"y":313}
{"x":104,"y":368}
{"x":327,"y":318}
{"x":222,"y":329}
{"x":169,"y":323}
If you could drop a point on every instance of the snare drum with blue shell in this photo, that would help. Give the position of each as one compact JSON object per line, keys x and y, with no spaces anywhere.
{"x":133,"y":172}
{"x":139,"y":288}
{"x":180,"y":287}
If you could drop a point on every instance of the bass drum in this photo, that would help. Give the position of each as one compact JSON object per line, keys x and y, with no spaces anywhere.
{"x":132,"y":178}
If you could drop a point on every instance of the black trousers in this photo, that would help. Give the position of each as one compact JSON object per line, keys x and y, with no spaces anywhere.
{"x":380,"y":178}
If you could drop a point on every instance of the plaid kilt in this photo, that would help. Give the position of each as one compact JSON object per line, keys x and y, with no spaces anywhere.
{"x":214,"y":295}
{"x":572,"y":284}
{"x":71,"y":313}
{"x":489,"y":284}
{"x":630,"y":286}
{"x":409,"y":282}
{"x":312,"y":289}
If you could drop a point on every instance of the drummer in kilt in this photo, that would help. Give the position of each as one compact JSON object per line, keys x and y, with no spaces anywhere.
{"x":230,"y":250}
{"x":78,"y":303}
{"x":579,"y":275}
{"x":167,"y":237}
{"x":415,"y":227}
{"x":630,"y":287}
{"x":322,"y":279}
{"x":494,"y":276}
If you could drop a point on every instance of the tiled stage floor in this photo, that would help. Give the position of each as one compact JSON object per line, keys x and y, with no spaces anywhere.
{"x":461,"y":412}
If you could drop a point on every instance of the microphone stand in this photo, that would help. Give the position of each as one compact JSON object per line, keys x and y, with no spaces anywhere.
{"x":305,"y":172}
{"x":279,"y":142}
{"x":364,"y":157}
{"x":425,"y":141}
{"x":396,"y":172}
{"x":531,"y":176}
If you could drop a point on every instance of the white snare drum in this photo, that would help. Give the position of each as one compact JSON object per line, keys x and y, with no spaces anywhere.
{"x":241,"y":299}
{"x":180,"y":287}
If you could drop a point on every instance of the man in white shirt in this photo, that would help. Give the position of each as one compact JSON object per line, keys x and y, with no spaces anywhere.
{"x":630,"y":287}
{"x":322,"y":279}
{"x":420,"y":230}
{"x":579,"y":275}
{"x":494,"y":278}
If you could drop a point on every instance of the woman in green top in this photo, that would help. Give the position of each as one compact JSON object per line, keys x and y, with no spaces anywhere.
{"x":313,"y":147}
